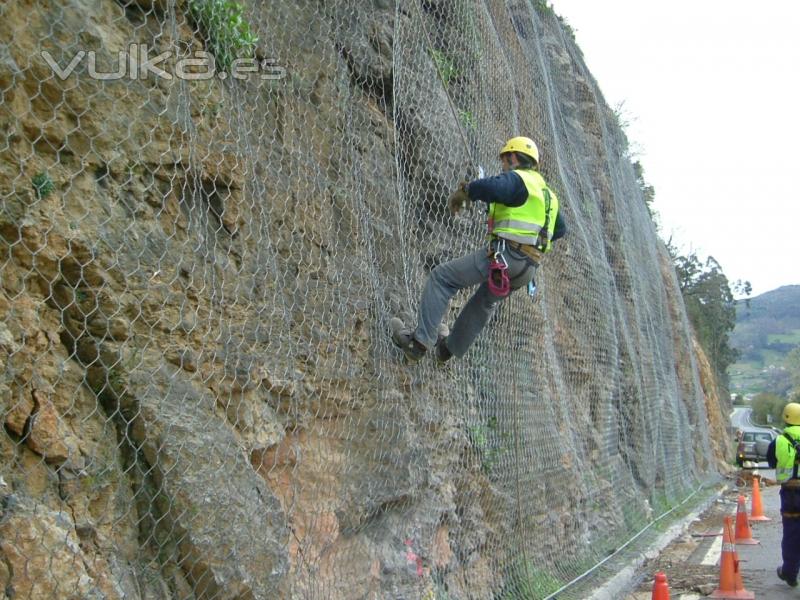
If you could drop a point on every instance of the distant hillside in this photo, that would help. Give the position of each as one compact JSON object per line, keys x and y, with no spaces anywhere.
{"x":765,"y":332}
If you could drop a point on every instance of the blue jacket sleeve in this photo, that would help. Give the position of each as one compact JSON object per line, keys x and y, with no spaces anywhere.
{"x":506,"y":188}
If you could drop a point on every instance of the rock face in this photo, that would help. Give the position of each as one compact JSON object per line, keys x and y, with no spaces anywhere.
{"x":196,"y":276}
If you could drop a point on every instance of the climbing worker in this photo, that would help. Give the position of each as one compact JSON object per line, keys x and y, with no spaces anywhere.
{"x":782,"y":455}
{"x":523,"y":221}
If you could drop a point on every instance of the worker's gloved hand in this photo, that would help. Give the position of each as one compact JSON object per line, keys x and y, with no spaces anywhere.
{"x":459,"y":199}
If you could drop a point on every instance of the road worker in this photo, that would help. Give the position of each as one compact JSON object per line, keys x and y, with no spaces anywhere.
{"x":523,"y":222}
{"x":783,"y":456}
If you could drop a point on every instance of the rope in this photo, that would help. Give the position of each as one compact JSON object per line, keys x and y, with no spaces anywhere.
{"x":431,"y":49}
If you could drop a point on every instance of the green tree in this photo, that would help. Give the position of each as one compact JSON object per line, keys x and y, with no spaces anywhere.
{"x":777,"y":381}
{"x":711,"y":307}
{"x":765,"y":404}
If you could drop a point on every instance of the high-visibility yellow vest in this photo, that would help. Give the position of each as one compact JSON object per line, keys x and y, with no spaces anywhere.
{"x":524,"y":223}
{"x":785,"y":454}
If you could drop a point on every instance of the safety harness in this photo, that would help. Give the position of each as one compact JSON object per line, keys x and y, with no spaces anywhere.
{"x":542,"y":240}
{"x":499,"y":282}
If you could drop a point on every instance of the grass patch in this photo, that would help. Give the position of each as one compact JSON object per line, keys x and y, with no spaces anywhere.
{"x":43,"y":186}
{"x":468,"y":120}
{"x":445,"y":66}
{"x":489,"y":443}
{"x":526,"y":582}
{"x":785,"y":338}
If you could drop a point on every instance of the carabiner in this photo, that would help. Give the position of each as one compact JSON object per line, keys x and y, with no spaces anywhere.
{"x":499,"y":258}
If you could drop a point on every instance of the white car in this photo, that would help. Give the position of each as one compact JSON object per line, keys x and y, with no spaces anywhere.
{"x":753,"y":445}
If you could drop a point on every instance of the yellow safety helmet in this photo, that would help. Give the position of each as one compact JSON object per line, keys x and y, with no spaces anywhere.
{"x":522,"y":145}
{"x":791,"y":413}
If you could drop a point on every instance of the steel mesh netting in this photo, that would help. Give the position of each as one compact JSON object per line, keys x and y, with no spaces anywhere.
{"x":200,"y":398}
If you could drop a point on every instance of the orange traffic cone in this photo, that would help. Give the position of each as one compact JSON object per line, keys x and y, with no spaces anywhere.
{"x":744,"y":535}
{"x":660,"y":587}
{"x":731,"y":586}
{"x":757,"y":510}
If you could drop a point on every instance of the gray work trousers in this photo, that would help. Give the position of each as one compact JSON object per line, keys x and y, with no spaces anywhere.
{"x":450,"y":277}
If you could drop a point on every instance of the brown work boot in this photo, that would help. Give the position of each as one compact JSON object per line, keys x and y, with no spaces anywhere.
{"x":442,"y":353}
{"x":403,"y":338}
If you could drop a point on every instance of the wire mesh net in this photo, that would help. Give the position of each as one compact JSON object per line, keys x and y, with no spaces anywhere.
{"x":199,"y":260}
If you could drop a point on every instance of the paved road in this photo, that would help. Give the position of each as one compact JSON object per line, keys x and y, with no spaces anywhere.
{"x":689,"y":564}
{"x":758,"y":562}
{"x":741,"y":418}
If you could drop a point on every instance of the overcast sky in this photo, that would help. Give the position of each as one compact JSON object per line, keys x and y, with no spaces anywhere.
{"x":711,"y":89}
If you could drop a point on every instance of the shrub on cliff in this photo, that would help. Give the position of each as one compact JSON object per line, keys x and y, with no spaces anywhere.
{"x":227,"y":34}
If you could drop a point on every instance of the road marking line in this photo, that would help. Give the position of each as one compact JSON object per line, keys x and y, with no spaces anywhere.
{"x":714,"y":552}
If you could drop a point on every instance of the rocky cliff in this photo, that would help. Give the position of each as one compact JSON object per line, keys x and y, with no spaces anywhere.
{"x":198,"y":394}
